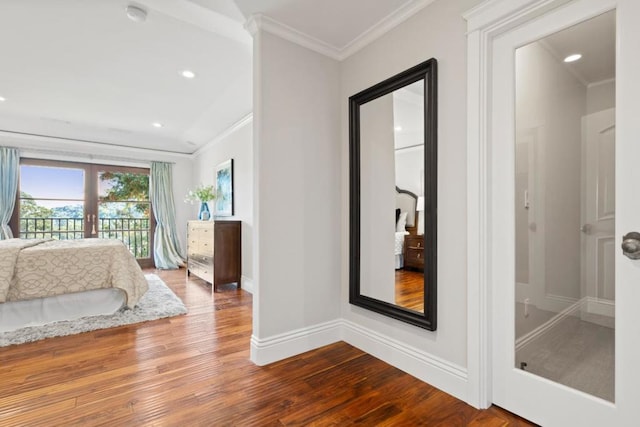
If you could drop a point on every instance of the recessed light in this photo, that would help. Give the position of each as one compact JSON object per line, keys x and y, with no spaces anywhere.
{"x":573,"y":58}
{"x":188,"y":74}
{"x":2,"y":99}
{"x":157,"y":124}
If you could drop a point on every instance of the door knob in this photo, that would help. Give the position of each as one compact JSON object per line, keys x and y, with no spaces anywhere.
{"x":586,"y":228}
{"x":631,"y":245}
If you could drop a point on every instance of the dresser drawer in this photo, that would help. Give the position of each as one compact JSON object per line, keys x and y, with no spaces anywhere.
{"x":205,"y":260}
{"x":200,"y":232}
{"x":203,"y":271}
{"x":414,"y":251}
{"x":214,"y":251}
{"x":200,"y":239}
{"x":415,"y":257}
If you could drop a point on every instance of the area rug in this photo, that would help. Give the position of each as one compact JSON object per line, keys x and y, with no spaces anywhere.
{"x":159,"y":302}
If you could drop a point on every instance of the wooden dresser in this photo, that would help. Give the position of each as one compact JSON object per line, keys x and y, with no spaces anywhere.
{"x":214,"y":251}
{"x":414,"y":251}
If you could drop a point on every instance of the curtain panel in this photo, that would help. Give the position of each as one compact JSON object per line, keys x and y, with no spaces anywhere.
{"x":168,"y":253}
{"x":9,"y":172}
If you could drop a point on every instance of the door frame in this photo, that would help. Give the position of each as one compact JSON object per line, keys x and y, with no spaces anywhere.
{"x":485,"y":23}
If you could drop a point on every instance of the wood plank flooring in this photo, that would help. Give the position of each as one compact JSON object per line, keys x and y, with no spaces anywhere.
{"x":194,"y":370}
{"x":410,"y":289}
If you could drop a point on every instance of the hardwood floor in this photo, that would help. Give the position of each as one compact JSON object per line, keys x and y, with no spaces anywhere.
{"x":194,"y":370}
{"x":410,"y":289}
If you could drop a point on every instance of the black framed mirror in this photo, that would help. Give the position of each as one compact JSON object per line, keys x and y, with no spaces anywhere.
{"x":393,"y":196}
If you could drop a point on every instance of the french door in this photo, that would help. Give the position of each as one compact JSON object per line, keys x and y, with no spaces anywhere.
{"x":563,"y":196}
{"x":68,"y":200}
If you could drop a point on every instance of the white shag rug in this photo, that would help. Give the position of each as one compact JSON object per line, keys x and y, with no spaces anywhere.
{"x":159,"y":302}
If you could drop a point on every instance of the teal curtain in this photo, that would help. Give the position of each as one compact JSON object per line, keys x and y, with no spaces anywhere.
{"x":167,"y":251}
{"x":9,"y":171}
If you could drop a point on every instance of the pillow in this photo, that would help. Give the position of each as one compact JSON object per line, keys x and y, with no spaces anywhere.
{"x":402,"y":222}
{"x":397,"y":215}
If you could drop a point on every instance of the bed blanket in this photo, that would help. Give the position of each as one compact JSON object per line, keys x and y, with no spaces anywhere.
{"x":40,"y":268}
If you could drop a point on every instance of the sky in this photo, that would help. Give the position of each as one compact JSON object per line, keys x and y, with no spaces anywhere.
{"x":52,"y":183}
{"x":64,"y":184}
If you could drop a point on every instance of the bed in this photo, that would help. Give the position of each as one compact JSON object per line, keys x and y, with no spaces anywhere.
{"x":48,"y":280}
{"x":406,"y":222}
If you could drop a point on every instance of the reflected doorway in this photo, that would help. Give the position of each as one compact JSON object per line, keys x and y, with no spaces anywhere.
{"x":565,"y":207}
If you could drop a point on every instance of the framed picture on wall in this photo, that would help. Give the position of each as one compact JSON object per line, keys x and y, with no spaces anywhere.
{"x":224,"y":189}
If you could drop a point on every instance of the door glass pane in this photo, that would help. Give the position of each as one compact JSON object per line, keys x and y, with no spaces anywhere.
{"x":124,"y":210}
{"x":51,"y":202}
{"x":565,"y":207}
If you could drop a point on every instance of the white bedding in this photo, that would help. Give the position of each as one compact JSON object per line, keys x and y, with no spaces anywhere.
{"x":399,"y":249}
{"x":37,"y":312}
{"x":41,"y":268}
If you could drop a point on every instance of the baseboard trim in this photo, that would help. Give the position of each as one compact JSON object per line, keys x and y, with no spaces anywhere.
{"x":278,"y":347}
{"x":444,"y":375}
{"x":246,"y":284}
{"x":524,"y":340}
{"x":601,"y":307}
{"x":585,"y":305}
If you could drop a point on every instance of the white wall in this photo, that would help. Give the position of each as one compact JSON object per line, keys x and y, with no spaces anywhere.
{"x":236,"y":145}
{"x":550,"y":103}
{"x":601,"y":96}
{"x":410,"y":169}
{"x":377,"y":199}
{"x":437,"y":31}
{"x":297,"y":150}
{"x":182,"y":182}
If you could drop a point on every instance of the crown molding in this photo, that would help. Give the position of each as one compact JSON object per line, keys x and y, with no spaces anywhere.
{"x":231,"y":129}
{"x":383,"y":26}
{"x":602,"y":82}
{"x":262,"y":22}
{"x":253,"y":24}
{"x":265,"y":23}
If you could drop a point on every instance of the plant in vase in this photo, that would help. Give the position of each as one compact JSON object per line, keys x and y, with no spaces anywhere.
{"x":202,"y":194}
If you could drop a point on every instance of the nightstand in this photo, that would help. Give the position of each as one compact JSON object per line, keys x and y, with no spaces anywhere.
{"x":414,"y":251}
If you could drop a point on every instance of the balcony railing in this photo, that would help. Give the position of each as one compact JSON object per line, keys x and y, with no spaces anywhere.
{"x":133,"y":232}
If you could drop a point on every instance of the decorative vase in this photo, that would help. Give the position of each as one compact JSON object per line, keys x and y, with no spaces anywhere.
{"x":205,"y":214}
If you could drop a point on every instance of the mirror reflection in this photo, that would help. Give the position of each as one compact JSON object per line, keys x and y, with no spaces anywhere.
{"x":393,"y":196}
{"x":565,"y":207}
{"x":392,"y":140}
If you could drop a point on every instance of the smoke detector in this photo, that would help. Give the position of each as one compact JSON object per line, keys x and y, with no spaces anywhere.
{"x":136,"y":13}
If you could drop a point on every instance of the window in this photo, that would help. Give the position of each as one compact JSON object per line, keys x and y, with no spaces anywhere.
{"x":66,"y":200}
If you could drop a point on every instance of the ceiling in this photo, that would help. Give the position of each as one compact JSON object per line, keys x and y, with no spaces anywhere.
{"x":595,"y":40}
{"x":81,"y":70}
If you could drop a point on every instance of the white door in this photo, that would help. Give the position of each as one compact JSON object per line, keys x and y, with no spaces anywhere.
{"x":598,"y":215}
{"x":561,"y":375}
